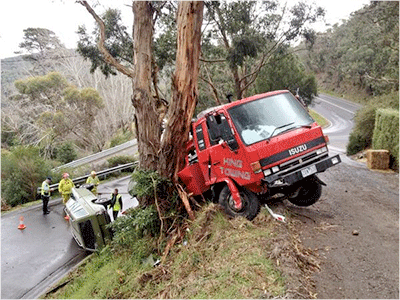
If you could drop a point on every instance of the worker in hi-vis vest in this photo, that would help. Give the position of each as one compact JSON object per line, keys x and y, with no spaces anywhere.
{"x":93,"y":179}
{"x":65,"y":187}
{"x":45,"y":193}
{"x":116,"y":203}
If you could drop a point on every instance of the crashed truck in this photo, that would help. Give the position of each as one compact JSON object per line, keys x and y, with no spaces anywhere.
{"x":255,"y":149}
{"x":88,"y":218}
{"x":240,"y":155}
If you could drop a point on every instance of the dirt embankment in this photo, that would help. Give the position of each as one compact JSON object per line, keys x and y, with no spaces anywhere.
{"x":355,"y":230}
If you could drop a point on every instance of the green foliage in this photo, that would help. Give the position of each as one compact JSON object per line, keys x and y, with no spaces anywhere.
{"x":43,"y":89}
{"x":22,"y":172}
{"x":120,"y":160}
{"x":356,"y":143}
{"x":284,"y":71}
{"x":386,"y":133}
{"x":149,"y":183}
{"x":118,"y":42}
{"x":250,"y":36}
{"x":66,"y":152}
{"x":150,"y":188}
{"x":39,"y":40}
{"x":50,"y":110}
{"x":361,"y":136}
{"x":121,"y":137}
{"x":129,"y":231}
{"x":362,"y":52}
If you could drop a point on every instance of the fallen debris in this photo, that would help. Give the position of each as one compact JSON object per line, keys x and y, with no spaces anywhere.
{"x":274,"y":215}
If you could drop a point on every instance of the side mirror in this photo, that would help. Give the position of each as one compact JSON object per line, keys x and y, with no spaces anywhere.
{"x":232,"y":144}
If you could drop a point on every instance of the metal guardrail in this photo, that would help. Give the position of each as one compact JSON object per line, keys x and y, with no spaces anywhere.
{"x":82,"y":179}
{"x":99,"y":155}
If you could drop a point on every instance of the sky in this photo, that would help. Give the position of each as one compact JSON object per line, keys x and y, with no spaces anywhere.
{"x":64,"y":16}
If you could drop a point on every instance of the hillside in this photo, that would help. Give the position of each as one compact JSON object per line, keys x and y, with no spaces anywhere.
{"x":12,"y":69}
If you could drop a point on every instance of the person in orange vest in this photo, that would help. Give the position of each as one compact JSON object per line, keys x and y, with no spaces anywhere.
{"x":116,"y":203}
{"x":65,"y":187}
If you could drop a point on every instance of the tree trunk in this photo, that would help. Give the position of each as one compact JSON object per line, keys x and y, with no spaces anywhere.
{"x":185,"y":93}
{"x":148,"y":129}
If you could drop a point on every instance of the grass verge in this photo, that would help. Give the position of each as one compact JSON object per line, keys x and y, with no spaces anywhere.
{"x":319,"y":119}
{"x":218,"y":258}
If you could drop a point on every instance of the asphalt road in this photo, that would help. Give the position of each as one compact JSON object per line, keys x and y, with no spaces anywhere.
{"x":340,"y":113}
{"x":34,"y":259}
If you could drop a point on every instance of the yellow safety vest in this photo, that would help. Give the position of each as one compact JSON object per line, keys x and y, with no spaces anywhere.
{"x":45,"y":189}
{"x":117,"y":206}
{"x":65,"y":186}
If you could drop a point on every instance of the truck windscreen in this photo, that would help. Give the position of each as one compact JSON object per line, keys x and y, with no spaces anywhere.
{"x":266,"y":117}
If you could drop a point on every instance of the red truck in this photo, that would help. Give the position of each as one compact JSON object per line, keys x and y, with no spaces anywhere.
{"x":248,"y":151}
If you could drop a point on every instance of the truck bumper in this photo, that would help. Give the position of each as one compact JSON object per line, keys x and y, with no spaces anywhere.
{"x":287,"y":179}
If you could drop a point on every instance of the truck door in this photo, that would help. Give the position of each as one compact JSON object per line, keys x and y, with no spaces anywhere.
{"x":226,"y":159}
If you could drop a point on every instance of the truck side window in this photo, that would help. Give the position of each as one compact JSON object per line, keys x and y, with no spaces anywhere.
{"x":219,"y":129}
{"x":200,"y":137}
{"x":212,"y":127}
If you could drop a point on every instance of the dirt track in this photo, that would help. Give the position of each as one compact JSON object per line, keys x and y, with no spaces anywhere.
{"x":355,"y":229}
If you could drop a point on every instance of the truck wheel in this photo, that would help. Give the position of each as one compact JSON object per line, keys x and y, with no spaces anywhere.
{"x":307,"y":193}
{"x":250,"y":207}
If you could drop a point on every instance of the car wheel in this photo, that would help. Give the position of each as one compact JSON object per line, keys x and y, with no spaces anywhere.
{"x":250,"y":207}
{"x":308,"y":192}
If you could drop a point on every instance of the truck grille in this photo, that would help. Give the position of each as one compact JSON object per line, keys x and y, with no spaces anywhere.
{"x":301,"y":161}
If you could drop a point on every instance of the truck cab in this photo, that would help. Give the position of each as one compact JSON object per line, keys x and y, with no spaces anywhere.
{"x":252,"y":149}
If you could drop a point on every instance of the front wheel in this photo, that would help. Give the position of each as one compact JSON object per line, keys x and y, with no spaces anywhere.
{"x":307,"y":192}
{"x":250,"y":203}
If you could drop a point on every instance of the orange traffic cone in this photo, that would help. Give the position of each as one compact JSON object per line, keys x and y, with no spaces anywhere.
{"x":21,"y":225}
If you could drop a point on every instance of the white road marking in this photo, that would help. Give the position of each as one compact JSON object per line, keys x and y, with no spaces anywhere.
{"x":335,"y":105}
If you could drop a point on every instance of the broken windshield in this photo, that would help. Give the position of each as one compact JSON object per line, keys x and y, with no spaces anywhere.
{"x":266,"y":117}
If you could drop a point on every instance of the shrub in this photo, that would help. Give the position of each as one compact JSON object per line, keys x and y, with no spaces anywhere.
{"x":120,"y":160}
{"x":386,"y":133}
{"x":66,"y":153}
{"x":136,"y":230}
{"x":22,"y":172}
{"x":361,"y":136}
{"x":356,"y":143}
{"x":120,"y":138}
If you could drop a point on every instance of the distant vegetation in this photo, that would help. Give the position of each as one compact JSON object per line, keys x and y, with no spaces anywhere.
{"x":360,"y":60}
{"x":362,"y":54}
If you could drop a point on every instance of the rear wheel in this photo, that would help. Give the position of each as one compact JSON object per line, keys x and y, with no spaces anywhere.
{"x":250,"y":203}
{"x":308,"y":192}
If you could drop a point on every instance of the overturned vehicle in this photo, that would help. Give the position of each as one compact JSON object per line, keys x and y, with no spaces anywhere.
{"x":88,"y":218}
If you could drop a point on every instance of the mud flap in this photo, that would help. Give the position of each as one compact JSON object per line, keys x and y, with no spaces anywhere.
{"x":235,"y":193}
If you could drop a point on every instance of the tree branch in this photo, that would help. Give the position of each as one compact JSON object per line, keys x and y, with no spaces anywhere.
{"x":107,"y":56}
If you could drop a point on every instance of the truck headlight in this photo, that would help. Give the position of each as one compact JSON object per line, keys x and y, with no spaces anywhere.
{"x":267,"y":172}
{"x":275,"y":169}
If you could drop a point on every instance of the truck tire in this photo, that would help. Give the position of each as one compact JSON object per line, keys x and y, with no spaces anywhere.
{"x":251,"y":204}
{"x":308,"y":192}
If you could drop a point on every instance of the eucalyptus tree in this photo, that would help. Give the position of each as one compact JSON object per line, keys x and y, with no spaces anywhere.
{"x":361,"y":52}
{"x":48,"y":110}
{"x":252,"y":32}
{"x":39,"y":44}
{"x":163,"y":155}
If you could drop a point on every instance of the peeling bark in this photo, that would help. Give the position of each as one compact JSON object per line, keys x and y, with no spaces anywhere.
{"x":184,"y":85}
